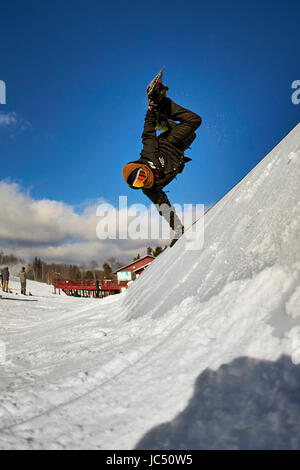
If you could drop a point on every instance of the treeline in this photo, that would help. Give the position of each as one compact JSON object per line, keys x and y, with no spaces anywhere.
{"x":152,"y":251}
{"x":9,"y":259}
{"x":49,"y":272}
{"x":41,"y":271}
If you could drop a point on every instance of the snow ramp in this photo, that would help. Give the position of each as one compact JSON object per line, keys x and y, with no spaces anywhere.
{"x":234,"y":307}
{"x":201,"y":352}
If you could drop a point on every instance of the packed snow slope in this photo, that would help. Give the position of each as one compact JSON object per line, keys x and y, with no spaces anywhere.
{"x":201,"y":352}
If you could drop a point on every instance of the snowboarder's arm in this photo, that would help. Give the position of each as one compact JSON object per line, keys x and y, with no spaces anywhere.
{"x":189,"y":121}
{"x":150,"y":146}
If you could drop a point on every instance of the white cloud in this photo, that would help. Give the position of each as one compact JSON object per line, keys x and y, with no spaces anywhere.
{"x":54,"y":231}
{"x":8,"y":119}
{"x":13,"y":122}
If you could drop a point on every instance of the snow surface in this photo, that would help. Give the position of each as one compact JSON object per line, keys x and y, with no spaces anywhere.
{"x":201,"y":352}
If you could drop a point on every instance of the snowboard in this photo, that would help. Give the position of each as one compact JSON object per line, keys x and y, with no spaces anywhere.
{"x":153,"y":84}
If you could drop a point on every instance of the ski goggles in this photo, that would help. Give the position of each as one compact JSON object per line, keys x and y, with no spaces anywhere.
{"x":140,"y":179}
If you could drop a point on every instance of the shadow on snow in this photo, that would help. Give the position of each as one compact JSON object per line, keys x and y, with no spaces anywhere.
{"x":246,"y":404}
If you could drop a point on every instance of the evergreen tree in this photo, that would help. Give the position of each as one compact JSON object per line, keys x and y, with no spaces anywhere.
{"x":157,"y":251}
{"x":74,"y":273}
{"x":93,"y":266}
{"x":89,"y":276}
{"x":37,"y":269}
{"x":114,"y":263}
{"x":77,"y":274}
{"x":107,"y":271}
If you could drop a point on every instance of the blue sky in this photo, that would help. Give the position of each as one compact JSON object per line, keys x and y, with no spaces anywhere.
{"x":76,"y":73}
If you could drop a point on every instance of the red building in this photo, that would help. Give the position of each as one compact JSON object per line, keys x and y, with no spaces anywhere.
{"x":105,"y":287}
{"x":138,"y":265}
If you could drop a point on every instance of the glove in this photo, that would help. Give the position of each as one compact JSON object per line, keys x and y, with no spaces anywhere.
{"x":162,"y":122}
{"x":156,"y":97}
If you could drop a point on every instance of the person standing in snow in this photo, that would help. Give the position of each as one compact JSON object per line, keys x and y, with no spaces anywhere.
{"x":23,"y":279}
{"x":97,"y":288}
{"x":5,"y":277}
{"x":162,"y":157}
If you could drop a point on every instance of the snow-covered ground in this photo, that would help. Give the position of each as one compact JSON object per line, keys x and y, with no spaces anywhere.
{"x":202,"y":351}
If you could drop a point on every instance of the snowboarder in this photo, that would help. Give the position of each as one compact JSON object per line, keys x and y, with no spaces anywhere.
{"x":162,"y":157}
{"x":23,"y":278}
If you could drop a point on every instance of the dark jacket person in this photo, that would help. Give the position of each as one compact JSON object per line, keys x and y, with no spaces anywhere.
{"x":23,"y":279}
{"x":5,"y":277}
{"x":162,"y":157}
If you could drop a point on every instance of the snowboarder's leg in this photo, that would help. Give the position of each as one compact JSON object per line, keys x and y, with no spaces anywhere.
{"x":180,"y":135}
{"x":166,"y":210}
{"x":183,"y":144}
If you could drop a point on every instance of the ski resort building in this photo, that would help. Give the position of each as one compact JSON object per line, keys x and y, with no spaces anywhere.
{"x":137,"y":266}
{"x":104,"y":287}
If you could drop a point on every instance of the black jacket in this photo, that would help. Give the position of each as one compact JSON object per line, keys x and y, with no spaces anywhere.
{"x":5,"y":274}
{"x":165,"y":154}
{"x":166,"y":151}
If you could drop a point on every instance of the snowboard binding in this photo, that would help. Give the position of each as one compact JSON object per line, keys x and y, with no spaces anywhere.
{"x":156,"y":91}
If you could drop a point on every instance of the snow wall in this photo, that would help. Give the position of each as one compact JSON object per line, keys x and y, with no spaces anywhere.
{"x":235,"y":309}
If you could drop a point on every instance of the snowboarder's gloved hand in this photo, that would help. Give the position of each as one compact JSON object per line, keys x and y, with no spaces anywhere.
{"x":162,"y":122}
{"x":159,"y":92}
